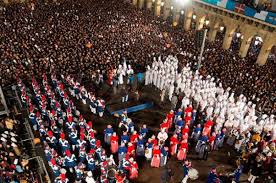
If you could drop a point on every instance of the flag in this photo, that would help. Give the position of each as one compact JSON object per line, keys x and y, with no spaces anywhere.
{"x":240,"y":8}
{"x":262,"y":15}
{"x":222,"y":3}
{"x":214,"y":2}
{"x":271,"y":18}
{"x":249,"y":12}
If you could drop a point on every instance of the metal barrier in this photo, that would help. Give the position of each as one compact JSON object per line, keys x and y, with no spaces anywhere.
{"x":3,"y":102}
{"x":29,"y":137}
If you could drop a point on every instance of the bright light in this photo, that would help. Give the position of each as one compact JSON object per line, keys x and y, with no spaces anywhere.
{"x":153,"y":1}
{"x":207,"y":22}
{"x":171,"y":7}
{"x":194,"y":17}
{"x":238,"y":35}
{"x":259,"y":39}
{"x":257,"y":42}
{"x":162,"y":3}
{"x":182,"y":12}
{"x":221,"y":28}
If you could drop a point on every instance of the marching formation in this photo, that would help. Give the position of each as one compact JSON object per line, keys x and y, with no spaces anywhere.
{"x":214,"y":114}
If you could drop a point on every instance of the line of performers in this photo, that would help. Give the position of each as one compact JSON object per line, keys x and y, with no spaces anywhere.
{"x":70,"y":141}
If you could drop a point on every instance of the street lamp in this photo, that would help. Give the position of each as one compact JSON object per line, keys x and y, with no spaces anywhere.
{"x":171,"y":7}
{"x":162,"y":3}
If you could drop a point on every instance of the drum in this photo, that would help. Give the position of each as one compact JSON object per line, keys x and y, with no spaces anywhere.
{"x":193,"y":174}
{"x":111,"y":172}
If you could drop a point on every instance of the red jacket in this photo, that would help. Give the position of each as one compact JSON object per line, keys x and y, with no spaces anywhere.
{"x":156,"y":152}
{"x":130,"y":149}
{"x":134,"y":138}
{"x":174,"y":140}
{"x":212,"y":139}
{"x":208,"y":123}
{"x":188,"y":110}
{"x":184,"y":145}
{"x":114,"y":138}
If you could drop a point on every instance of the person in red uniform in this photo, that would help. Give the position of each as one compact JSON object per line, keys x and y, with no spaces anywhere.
{"x":188,"y":120}
{"x":212,"y":139}
{"x":133,"y":169}
{"x":114,"y":143}
{"x":185,"y":130}
{"x":110,"y":77}
{"x":173,"y":144}
{"x":153,"y":140}
{"x":207,"y":127}
{"x":155,"y":161}
{"x":165,"y":125}
{"x":189,"y":110}
{"x":182,"y":151}
{"x":131,"y":150}
{"x":169,"y":118}
{"x":134,"y":137}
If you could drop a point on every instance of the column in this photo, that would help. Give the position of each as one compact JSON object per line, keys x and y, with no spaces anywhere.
{"x":214,"y":27}
{"x":263,"y":55}
{"x":245,"y":45}
{"x":167,"y":9}
{"x":141,"y":4}
{"x":157,"y":8}
{"x":188,"y":19}
{"x":134,"y":2}
{"x":268,"y":43}
{"x":230,"y":29}
{"x":212,"y":34}
{"x":176,"y":16}
{"x":149,"y":4}
{"x":200,"y":23}
{"x":227,"y":39}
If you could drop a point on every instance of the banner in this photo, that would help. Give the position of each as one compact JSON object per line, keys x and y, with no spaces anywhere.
{"x":266,"y":16}
{"x":271,"y":18}
{"x":230,"y":5}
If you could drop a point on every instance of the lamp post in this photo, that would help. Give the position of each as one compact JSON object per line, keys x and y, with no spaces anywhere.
{"x":202,"y":48}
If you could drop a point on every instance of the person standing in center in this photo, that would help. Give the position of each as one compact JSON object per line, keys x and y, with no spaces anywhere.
{"x":124,"y":93}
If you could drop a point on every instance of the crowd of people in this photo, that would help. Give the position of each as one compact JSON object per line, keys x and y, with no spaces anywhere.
{"x":265,"y":5}
{"x":14,"y":164}
{"x":221,"y":114}
{"x":76,"y":41}
{"x":69,"y":37}
{"x":204,"y":116}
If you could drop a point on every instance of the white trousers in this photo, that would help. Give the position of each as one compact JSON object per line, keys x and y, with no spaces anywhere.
{"x":251,"y":178}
